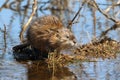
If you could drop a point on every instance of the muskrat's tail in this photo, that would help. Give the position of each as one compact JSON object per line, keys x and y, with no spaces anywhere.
{"x":20,"y":47}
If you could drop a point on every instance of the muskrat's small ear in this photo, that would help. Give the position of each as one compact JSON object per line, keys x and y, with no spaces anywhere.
{"x":57,"y":31}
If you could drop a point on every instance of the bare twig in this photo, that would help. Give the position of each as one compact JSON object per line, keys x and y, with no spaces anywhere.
{"x":94,"y":22}
{"x":25,"y":11}
{"x":71,"y":22}
{"x":115,"y":26}
{"x":30,"y":19}
{"x":106,"y":15}
{"x":5,"y":44}
{"x":5,"y":40}
{"x":4,"y":5}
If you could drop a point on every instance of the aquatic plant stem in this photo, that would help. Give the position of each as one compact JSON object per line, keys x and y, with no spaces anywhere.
{"x":34,"y":8}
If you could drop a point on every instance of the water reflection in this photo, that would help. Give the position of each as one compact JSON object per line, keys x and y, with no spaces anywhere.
{"x":11,"y":70}
{"x":108,"y":69}
{"x":42,"y":71}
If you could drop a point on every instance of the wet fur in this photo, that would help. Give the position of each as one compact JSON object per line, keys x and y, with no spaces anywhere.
{"x":47,"y":34}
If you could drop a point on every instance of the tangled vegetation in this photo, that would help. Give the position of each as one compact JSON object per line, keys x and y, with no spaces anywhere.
{"x":105,"y":49}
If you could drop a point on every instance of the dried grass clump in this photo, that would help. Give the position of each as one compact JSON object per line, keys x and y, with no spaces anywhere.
{"x":104,"y":49}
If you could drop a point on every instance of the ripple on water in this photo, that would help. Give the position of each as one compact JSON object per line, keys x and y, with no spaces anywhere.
{"x":108,"y":69}
{"x":11,"y":70}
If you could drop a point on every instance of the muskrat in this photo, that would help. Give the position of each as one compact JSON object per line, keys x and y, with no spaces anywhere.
{"x":47,"y":34}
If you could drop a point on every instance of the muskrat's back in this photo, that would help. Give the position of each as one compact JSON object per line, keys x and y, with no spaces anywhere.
{"x":46,"y":22}
{"x":47,"y":34}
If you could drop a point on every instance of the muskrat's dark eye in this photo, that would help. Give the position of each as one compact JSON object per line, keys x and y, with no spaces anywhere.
{"x":67,"y":36}
{"x":57,"y":35}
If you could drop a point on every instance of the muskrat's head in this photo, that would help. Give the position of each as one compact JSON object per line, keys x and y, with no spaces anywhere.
{"x":48,"y":33}
{"x":64,"y":38}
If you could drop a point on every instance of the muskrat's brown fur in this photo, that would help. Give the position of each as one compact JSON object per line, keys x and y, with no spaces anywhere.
{"x":47,"y":33}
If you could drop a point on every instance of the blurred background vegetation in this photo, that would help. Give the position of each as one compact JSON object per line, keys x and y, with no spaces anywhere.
{"x":90,"y":19}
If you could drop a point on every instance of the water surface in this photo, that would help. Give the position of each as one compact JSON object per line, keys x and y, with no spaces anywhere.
{"x":99,"y":69}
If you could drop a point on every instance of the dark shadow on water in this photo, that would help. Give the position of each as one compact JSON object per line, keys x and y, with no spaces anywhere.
{"x":99,"y":69}
{"x":42,"y":71}
{"x":38,"y":69}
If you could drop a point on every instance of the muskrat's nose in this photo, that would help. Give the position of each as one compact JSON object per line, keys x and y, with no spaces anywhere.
{"x":74,"y":41}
